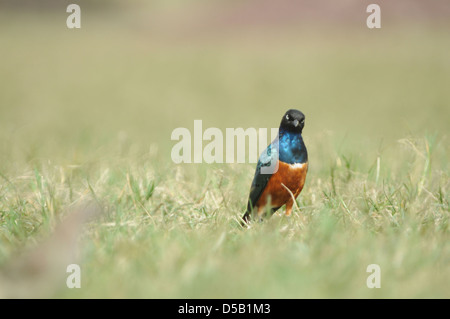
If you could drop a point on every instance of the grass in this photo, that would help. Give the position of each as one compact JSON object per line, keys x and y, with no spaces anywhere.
{"x":87,"y":117}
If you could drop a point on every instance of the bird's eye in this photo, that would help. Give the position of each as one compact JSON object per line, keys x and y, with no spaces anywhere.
{"x":288,"y":117}
{"x":302,"y":121}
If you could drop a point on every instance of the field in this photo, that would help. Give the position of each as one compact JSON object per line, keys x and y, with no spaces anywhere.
{"x":86,"y":117}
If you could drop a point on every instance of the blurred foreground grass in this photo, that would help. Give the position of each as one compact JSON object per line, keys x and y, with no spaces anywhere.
{"x":87,"y":115}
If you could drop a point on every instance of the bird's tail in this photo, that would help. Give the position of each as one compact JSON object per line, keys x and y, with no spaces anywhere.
{"x":248,"y":215}
{"x":246,"y":218}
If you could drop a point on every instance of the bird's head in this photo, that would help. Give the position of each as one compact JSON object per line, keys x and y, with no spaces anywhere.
{"x":293,"y":121}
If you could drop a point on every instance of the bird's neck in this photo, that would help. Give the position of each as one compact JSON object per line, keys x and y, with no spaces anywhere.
{"x":292,"y":148}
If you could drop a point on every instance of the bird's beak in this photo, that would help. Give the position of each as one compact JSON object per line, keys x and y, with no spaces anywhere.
{"x":296,"y":123}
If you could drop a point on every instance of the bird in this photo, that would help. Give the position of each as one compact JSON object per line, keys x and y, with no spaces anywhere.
{"x":273,"y":188}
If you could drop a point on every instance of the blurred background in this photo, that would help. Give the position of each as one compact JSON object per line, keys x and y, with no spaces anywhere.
{"x":89,"y":113}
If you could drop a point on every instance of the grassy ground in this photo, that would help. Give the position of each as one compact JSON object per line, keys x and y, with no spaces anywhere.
{"x":87,"y":115}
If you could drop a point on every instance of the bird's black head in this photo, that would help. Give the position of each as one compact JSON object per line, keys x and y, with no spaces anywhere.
{"x":293,"y":121}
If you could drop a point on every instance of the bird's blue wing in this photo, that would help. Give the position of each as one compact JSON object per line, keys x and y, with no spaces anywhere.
{"x":263,"y":173}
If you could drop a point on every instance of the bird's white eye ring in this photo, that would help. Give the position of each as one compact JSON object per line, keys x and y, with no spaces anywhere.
{"x":287,"y":117}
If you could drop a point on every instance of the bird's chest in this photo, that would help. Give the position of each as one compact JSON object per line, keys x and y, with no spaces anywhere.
{"x":288,"y":181}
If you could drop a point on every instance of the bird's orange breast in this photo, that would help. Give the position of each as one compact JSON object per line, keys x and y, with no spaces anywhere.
{"x":292,"y":176}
